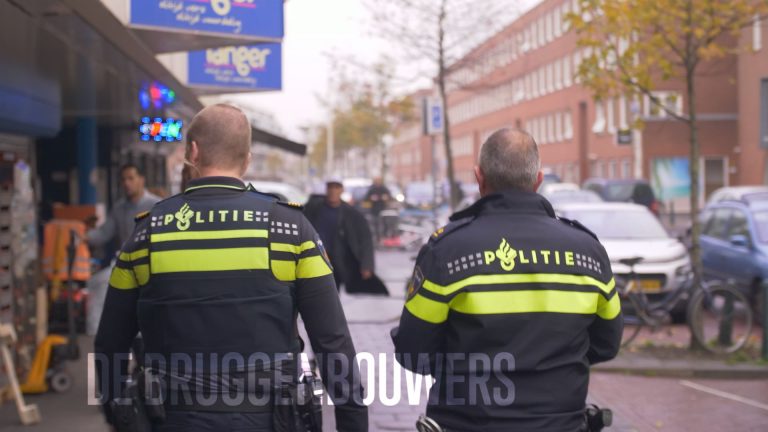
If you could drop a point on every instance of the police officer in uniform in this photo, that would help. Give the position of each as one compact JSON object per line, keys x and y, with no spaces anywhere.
{"x":509,"y":305}
{"x":214,"y":279}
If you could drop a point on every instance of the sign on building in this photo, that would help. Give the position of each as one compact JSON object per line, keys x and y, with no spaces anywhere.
{"x":624,"y":137}
{"x":248,"y":68}
{"x":254,"y":19}
{"x":433,"y":116}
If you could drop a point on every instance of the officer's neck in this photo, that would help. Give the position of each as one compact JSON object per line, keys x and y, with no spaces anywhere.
{"x":218,"y":172}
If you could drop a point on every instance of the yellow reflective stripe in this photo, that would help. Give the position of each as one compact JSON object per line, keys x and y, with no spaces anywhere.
{"x":312,"y":267}
{"x":133,"y":256}
{"x":284,"y":270}
{"x":286,"y":247}
{"x":427,"y":309}
{"x":122,"y":279}
{"x":209,"y":235}
{"x":609,"y":309}
{"x":142,"y":273}
{"x":190,"y":260}
{"x":213,"y":186}
{"x":508,"y":302}
{"x":519,"y":279}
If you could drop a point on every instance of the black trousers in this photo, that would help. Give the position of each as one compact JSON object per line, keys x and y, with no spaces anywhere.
{"x":199,"y":421}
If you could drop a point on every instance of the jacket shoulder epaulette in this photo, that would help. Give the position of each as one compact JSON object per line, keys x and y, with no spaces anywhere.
{"x":452,"y":227}
{"x":576,"y":224}
{"x":140,"y":216}
{"x":291,"y":204}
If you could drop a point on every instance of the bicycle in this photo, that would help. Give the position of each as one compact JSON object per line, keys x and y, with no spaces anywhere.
{"x":718,"y":315}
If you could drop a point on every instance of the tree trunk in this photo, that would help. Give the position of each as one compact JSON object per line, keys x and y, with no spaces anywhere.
{"x":452,"y":193}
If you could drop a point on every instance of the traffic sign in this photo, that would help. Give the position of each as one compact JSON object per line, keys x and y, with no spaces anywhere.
{"x":433,"y":116}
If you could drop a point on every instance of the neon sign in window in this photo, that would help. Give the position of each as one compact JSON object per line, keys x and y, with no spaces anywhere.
{"x":156,"y":95}
{"x":158,"y":129}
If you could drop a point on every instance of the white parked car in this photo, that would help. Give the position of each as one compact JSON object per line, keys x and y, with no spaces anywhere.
{"x":737,"y":193}
{"x":550,"y":188}
{"x":284,"y":191}
{"x":630,"y":230}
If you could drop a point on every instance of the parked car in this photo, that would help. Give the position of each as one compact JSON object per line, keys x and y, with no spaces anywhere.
{"x":284,"y":191}
{"x":561,"y":197}
{"x":734,"y":245}
{"x":731,"y":193}
{"x":630,"y":230}
{"x":548,"y":188}
{"x":624,"y":190}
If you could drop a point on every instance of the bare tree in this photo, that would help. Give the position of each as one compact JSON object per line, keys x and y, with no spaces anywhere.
{"x":445,"y":36}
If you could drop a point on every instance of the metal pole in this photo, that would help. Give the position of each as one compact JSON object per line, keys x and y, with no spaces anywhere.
{"x":433,"y":148}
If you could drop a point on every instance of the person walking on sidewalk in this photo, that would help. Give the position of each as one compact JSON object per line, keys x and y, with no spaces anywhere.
{"x":347,"y":238}
{"x":119,"y":224}
{"x":509,"y":305}
{"x":378,"y":196}
{"x":214,"y":278}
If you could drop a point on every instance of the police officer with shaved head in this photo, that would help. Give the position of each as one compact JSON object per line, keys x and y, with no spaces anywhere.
{"x":509,"y":305}
{"x":214,"y":278}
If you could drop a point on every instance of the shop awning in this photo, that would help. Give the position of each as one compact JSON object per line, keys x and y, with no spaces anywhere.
{"x":96,"y":15}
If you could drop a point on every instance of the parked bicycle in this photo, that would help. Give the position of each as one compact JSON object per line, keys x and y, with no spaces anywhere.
{"x":718,"y":315}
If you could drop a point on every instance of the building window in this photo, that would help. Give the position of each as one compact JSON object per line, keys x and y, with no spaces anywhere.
{"x":542,"y":32}
{"x":597,"y":169}
{"x":559,"y":74}
{"x":534,"y":35}
{"x":568,"y":125}
{"x":558,"y":22}
{"x":543,"y":130}
{"x":623,"y":113}
{"x":612,"y":169}
{"x":599,"y":125}
{"x":551,"y":128}
{"x":576,"y":65}
{"x":672,"y":101}
{"x":626,"y":171}
{"x":610,"y":105}
{"x":549,"y":25}
{"x":567,"y":72}
{"x":542,"y":81}
{"x":566,"y":9}
{"x":559,"y":126}
{"x":550,"y":78}
{"x":757,"y":36}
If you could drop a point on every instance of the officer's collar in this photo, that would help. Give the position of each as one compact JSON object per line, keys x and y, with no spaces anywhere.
{"x":215,"y":182}
{"x":508,"y":201}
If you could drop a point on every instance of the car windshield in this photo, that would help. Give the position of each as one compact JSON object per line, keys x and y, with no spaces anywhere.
{"x":612,"y":224}
{"x":564,"y":197}
{"x":619,"y":192}
{"x":761,"y":223}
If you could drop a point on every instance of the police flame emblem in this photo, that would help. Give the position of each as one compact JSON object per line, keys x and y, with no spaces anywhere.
{"x":184,"y":217}
{"x":506,"y":255}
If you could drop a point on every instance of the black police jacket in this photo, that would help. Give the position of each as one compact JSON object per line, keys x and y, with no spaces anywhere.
{"x":214,"y":279}
{"x":508,"y":307}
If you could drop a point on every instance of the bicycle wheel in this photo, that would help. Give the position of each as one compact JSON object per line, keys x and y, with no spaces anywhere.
{"x":632,"y":311}
{"x":720,"y":318}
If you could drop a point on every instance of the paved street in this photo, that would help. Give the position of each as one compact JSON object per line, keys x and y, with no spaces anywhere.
{"x":640,"y":403}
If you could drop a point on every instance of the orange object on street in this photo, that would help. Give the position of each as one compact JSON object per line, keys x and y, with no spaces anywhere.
{"x":56,"y":238}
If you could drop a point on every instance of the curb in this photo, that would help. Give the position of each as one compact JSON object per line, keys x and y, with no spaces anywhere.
{"x":650,"y":366}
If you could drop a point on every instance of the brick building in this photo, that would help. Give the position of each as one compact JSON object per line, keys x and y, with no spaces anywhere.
{"x":524,"y":76}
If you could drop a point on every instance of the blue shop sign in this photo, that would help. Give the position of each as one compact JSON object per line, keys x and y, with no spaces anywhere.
{"x":262,"y":19}
{"x":251,"y":67}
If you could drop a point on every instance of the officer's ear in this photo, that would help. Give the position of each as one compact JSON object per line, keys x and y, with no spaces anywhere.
{"x":246,"y":163}
{"x":539,"y":180}
{"x":480,"y":177}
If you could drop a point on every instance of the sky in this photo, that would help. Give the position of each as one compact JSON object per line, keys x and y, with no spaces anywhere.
{"x":313,"y":30}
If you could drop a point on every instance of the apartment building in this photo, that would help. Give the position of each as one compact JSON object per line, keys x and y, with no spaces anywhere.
{"x":525,"y":77}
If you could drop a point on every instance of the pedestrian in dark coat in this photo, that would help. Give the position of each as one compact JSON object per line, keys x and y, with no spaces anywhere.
{"x":347,"y":238}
